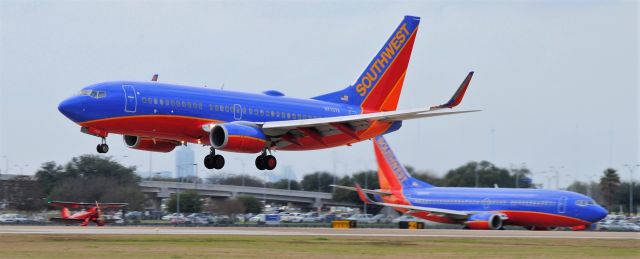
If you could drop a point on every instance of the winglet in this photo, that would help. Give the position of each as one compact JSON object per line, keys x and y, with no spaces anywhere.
{"x":362,"y":195}
{"x":458,"y":95}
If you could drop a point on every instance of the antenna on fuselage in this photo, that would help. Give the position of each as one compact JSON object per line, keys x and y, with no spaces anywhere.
{"x":154,"y":78}
{"x":222,"y":86}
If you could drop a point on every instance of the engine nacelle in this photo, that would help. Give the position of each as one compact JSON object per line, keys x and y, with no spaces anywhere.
{"x":147,"y":144}
{"x":484,"y":221}
{"x":237,"y":137}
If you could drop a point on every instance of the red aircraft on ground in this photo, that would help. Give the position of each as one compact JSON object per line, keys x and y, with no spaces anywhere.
{"x":92,"y":212}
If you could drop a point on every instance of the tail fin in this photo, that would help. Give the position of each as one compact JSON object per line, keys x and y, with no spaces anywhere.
{"x":64,"y":212}
{"x":391,"y":173}
{"x":379,"y":86}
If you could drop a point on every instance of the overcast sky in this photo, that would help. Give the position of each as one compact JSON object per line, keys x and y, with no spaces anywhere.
{"x":557,"y":80}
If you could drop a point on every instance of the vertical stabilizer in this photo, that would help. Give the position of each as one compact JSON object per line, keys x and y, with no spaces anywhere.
{"x":64,"y":212}
{"x":391,"y":173}
{"x":378,"y":87}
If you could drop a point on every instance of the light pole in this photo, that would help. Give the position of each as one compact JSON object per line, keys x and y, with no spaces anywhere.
{"x":631,"y":169}
{"x":556,"y":170}
{"x":195,"y":181}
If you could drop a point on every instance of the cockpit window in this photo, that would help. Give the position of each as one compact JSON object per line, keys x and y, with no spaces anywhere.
{"x":584,"y":202}
{"x":93,"y":93}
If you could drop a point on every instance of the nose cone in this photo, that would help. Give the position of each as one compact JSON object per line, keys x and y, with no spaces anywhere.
{"x":598,"y":213}
{"x":71,"y":108}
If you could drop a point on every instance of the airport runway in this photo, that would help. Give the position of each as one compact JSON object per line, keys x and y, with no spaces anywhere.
{"x":275,"y":231}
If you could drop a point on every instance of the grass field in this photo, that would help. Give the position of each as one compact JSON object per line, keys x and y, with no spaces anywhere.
{"x":198,"y":246}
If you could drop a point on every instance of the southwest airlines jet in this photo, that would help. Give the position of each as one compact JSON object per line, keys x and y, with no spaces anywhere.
{"x":158,"y":117}
{"x":476,"y":208}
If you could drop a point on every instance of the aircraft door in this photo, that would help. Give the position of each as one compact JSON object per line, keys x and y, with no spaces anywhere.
{"x":130,"y":100}
{"x":562,"y":205}
{"x":237,"y":112}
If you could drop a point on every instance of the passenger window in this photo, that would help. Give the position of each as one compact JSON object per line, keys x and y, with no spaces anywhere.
{"x":144,"y":99}
{"x":184,"y":104}
{"x":155,"y":100}
{"x":261,"y":112}
{"x":293,"y":116}
{"x":200,"y":106}
{"x":244,"y":110}
{"x":250,"y":111}
{"x":288,"y":115}
{"x":216,"y":107}
{"x":173,"y":102}
{"x":161,"y":102}
{"x":226,"y":108}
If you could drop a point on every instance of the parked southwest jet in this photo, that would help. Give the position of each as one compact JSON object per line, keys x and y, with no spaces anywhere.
{"x":158,"y":117}
{"x":476,"y":208}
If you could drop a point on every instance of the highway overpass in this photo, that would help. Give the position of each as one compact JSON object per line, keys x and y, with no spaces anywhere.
{"x":158,"y":190}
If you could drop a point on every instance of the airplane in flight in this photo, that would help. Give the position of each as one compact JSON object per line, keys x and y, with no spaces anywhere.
{"x":92,"y":212}
{"x":158,"y":117}
{"x":476,"y":208}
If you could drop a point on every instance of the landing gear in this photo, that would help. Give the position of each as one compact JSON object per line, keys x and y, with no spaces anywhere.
{"x":266,"y":162}
{"x":212,"y":160}
{"x":103,"y":147}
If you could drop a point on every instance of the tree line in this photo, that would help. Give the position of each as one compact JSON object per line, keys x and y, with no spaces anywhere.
{"x":90,"y":178}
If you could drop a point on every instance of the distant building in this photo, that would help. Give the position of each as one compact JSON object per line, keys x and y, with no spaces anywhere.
{"x":185,"y":158}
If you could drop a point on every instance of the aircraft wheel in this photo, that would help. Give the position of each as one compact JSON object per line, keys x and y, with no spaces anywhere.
{"x":102,"y":148}
{"x":270,"y":162}
{"x":218,"y":162}
{"x":260,"y":162}
{"x":208,"y":162}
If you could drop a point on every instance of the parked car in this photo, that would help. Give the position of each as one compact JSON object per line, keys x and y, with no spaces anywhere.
{"x":201,"y":218}
{"x":169,"y":216}
{"x":407,"y":217}
{"x":312,"y":217}
{"x":292,"y":217}
{"x":180,"y":220}
{"x":258,"y":218}
{"x":222,"y":219}
{"x":13,"y":218}
{"x":363,"y":218}
{"x":381,"y":218}
{"x":134,"y":215}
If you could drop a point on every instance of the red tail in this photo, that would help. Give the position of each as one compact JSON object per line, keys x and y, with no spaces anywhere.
{"x":64,"y":212}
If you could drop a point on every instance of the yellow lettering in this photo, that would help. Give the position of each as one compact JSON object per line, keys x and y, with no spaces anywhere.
{"x":374,"y":76}
{"x":361,"y":89}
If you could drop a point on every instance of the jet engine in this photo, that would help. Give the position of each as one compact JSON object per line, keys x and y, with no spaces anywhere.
{"x":237,"y":137}
{"x":487,"y":221}
{"x":148,"y":144}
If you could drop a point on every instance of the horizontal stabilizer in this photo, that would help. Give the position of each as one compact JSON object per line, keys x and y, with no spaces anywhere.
{"x":375,"y":192}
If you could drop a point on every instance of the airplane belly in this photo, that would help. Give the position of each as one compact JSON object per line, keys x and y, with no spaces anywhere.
{"x":178,"y":128}
{"x":541,"y":219}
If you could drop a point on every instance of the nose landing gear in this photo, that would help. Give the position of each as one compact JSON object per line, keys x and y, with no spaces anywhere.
{"x":212,"y":160}
{"x":103,"y":147}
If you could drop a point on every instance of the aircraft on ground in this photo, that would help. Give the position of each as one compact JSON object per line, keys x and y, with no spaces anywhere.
{"x":92,"y":212}
{"x":476,"y":208}
{"x":158,"y":117}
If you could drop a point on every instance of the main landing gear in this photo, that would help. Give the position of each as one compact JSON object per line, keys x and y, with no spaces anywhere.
{"x":212,"y":160}
{"x":103,"y":147}
{"x":266,"y":162}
